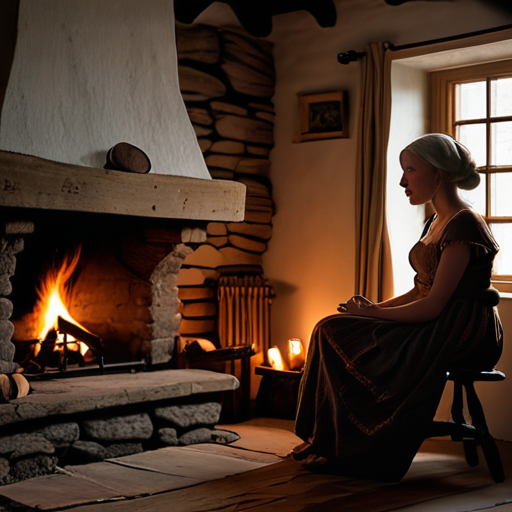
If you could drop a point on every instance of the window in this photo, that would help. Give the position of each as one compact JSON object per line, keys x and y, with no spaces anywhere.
{"x":474,"y":105}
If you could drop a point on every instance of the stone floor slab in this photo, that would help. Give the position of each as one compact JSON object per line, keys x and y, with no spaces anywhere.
{"x":56,"y":491}
{"x":185,"y":462}
{"x":264,"y":439}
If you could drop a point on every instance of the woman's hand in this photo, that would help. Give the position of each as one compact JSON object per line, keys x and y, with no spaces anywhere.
{"x":355,"y":305}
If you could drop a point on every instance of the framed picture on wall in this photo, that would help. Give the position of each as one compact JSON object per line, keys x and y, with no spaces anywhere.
{"x":322,"y":116}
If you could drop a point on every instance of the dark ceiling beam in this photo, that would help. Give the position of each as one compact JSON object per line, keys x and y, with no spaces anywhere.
{"x":256,"y":16}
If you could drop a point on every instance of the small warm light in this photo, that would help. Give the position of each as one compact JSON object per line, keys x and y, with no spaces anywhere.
{"x":295,"y":354}
{"x":276,"y":359}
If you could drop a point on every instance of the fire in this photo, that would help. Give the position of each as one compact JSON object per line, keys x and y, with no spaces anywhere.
{"x":295,"y":354}
{"x":276,"y":359}
{"x":52,"y":295}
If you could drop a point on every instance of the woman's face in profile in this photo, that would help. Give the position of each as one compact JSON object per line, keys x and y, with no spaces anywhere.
{"x":420,"y":179}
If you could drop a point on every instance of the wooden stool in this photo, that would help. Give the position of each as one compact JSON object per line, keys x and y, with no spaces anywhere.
{"x":476,"y":434}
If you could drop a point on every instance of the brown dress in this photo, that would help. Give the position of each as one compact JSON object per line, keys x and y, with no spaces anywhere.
{"x":371,"y":387}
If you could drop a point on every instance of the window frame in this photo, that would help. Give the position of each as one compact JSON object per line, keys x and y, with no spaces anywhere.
{"x":442,"y":120}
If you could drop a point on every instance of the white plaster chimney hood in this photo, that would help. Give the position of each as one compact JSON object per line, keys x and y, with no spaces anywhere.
{"x":85,"y":76}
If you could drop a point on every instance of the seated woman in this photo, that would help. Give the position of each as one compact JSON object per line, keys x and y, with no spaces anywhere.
{"x":375,"y":372}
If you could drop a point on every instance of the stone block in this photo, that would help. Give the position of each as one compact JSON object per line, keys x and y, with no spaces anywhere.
{"x":119,"y":428}
{"x":224,"y":436}
{"x":7,"y":349}
{"x":21,"y":445}
{"x":160,"y":351}
{"x":168,"y":436}
{"x":60,"y":435}
{"x":11,"y":245}
{"x":196,"y":436}
{"x":5,"y":285}
{"x":122,"y":449}
{"x":6,"y":308}
{"x":33,"y":466}
{"x":4,"y":469}
{"x":83,"y":452}
{"x":186,"y":416}
{"x":8,"y":367}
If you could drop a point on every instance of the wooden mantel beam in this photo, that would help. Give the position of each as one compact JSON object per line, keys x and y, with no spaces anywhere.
{"x":32,"y":182}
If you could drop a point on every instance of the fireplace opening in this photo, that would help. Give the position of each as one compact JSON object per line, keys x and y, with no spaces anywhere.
{"x":96,"y":291}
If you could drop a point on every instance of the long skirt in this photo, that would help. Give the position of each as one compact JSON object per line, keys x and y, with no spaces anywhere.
{"x":371,"y":387}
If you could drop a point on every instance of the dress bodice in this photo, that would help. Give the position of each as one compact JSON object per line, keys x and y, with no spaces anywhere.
{"x":465,"y":226}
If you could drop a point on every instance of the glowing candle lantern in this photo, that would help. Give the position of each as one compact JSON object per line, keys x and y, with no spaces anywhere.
{"x":276,"y":359}
{"x":295,"y":354}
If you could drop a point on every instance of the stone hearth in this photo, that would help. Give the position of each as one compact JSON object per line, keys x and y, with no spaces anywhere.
{"x":89,"y":419}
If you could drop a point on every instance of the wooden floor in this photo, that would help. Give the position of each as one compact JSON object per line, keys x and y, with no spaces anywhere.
{"x":256,"y":474}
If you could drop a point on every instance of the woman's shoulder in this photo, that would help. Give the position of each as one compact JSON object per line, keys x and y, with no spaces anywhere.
{"x":467,"y":226}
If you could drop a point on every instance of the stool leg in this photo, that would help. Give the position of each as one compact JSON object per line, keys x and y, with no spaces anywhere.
{"x":470,"y":447}
{"x":491,"y":453}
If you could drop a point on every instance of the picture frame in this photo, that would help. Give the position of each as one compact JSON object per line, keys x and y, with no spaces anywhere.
{"x":322,"y":116}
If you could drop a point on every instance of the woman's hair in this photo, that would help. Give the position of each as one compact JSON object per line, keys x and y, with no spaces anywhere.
{"x":449,"y":156}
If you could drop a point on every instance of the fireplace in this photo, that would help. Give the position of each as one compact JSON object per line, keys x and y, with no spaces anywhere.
{"x":84,"y":77}
{"x":123,"y":289}
{"x":112,"y":77}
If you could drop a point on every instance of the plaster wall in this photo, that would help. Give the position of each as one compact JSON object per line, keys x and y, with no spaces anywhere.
{"x":310,"y":260}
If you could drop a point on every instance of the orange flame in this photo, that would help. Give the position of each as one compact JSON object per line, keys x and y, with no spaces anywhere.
{"x":53,"y":293}
{"x":276,"y":359}
{"x":295,"y":354}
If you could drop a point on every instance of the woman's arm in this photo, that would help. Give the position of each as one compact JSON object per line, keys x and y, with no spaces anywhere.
{"x":452,"y":265}
{"x":400,"y":300}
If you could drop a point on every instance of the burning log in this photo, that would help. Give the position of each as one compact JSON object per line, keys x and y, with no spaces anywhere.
{"x":93,"y":342}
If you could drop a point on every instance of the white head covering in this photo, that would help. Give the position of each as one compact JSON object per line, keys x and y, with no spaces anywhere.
{"x":451,"y":157}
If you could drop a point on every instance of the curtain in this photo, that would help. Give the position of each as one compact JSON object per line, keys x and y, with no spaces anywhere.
{"x":374,"y":276}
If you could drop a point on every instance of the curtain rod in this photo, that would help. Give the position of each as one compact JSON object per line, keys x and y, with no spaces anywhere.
{"x":352,"y":55}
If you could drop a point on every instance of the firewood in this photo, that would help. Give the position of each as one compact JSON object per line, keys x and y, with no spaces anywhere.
{"x":230,"y":147}
{"x":258,"y":216}
{"x":204,"y":144}
{"x":92,"y":341}
{"x":217,"y":229}
{"x":198,"y":43}
{"x":247,"y":80}
{"x":261,"y":231}
{"x":267,"y":116}
{"x":196,"y":292}
{"x":221,"y":174}
{"x":201,"y":131}
{"x":221,"y":107}
{"x":191,"y":326}
{"x":245,"y":129}
{"x":200,"y":84}
{"x":223,"y":161}
{"x":258,"y":166}
{"x":217,"y":241}
{"x":199,"y":309}
{"x":254,"y":188}
{"x":247,"y":244}
{"x":262,"y":106}
{"x":258,"y":150}
{"x":254,"y":47}
{"x":200,"y":115}
{"x":237,"y":54}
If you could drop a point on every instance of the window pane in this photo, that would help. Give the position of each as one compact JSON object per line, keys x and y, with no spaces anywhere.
{"x":501,"y":97}
{"x":476,"y":197}
{"x":503,"y":261}
{"x":470,"y":101}
{"x":473,"y":137}
{"x":501,"y":194}
{"x":501,"y":143}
